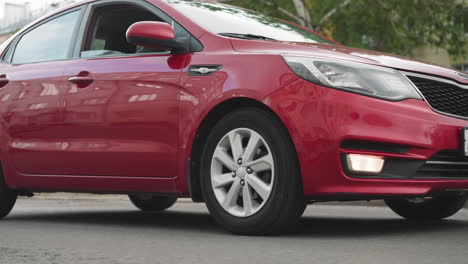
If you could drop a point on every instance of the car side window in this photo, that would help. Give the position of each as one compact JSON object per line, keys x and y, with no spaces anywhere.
{"x":106,"y":34}
{"x":47,"y":42}
{"x":106,"y":31}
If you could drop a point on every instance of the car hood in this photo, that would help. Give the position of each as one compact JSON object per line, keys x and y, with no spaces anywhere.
{"x":348,"y":54}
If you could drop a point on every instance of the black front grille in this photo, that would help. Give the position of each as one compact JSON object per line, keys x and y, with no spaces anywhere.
{"x":445,"y":164}
{"x":443,"y":97}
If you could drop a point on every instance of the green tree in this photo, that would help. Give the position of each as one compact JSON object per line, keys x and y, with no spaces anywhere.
{"x":396,"y":26}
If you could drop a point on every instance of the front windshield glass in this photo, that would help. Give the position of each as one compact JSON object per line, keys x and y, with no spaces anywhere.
{"x":229,"y":20}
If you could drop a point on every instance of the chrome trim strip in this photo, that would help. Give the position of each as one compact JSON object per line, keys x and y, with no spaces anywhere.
{"x":463,"y":75}
{"x":446,"y":163}
{"x":438,"y":79}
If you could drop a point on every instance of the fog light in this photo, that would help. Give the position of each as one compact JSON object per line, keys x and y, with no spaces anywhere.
{"x":365,"y":163}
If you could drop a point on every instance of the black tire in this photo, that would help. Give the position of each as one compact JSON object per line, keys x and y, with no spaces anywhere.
{"x":7,"y":198}
{"x":435,"y":208}
{"x":286,"y":202}
{"x":147,"y":203}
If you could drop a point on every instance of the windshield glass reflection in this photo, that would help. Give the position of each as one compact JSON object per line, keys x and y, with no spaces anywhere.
{"x":221,"y":19}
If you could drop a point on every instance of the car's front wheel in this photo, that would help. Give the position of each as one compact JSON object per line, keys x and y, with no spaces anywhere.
{"x":150,"y":202}
{"x":433,"y":208}
{"x":7,"y":198}
{"x":250,"y":175}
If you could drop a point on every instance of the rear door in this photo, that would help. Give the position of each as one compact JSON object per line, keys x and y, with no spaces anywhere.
{"x":121,"y":105}
{"x":32,"y":86}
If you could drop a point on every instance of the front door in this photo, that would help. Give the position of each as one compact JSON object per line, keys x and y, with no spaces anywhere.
{"x":124,"y":122}
{"x":121,"y":104}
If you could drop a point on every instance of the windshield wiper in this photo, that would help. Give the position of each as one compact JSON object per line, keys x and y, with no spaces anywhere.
{"x":245,"y":36}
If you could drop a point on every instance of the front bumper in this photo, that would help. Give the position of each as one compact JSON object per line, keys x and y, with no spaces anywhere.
{"x":321,"y":120}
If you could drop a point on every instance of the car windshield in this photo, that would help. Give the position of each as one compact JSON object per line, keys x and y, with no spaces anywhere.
{"x":236,"y":22}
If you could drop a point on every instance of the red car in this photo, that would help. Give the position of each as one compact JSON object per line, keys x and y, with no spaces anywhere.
{"x":252,"y":115}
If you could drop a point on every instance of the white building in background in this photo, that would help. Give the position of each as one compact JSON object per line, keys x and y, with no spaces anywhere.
{"x":14,"y":12}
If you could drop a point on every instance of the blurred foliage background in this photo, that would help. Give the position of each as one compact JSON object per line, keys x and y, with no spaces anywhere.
{"x":404,"y":27}
{"x":430,"y":30}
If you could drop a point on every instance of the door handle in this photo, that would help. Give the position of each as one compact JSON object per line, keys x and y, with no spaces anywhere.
{"x":82,"y":80}
{"x":3,"y":80}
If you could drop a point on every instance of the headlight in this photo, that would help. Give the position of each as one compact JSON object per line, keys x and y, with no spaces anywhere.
{"x":354,"y":77}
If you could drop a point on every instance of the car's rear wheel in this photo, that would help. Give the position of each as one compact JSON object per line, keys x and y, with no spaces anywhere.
{"x":7,"y":198}
{"x":433,"y":208}
{"x":149,"y":202}
{"x":250,"y":175}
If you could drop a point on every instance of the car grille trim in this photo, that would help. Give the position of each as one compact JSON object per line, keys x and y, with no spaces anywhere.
{"x":443,"y":96}
{"x":445,"y":164}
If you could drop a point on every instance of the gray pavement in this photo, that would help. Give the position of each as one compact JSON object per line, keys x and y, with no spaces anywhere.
{"x":88,"y":229}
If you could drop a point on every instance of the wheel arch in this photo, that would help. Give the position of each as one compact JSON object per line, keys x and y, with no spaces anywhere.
{"x":203,"y":131}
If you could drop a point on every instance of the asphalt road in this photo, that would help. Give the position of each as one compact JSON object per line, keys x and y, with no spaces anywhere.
{"x":111,"y":231}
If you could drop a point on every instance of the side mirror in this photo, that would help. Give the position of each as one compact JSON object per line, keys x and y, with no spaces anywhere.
{"x":155,"y":35}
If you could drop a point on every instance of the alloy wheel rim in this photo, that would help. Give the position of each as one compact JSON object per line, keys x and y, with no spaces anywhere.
{"x":242,"y":172}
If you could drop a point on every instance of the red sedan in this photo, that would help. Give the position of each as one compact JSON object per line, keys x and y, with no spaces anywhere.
{"x":252,"y":115}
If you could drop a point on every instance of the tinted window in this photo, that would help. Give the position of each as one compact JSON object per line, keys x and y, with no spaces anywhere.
{"x":220,"y":18}
{"x":49,"y":41}
{"x":107,"y":34}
